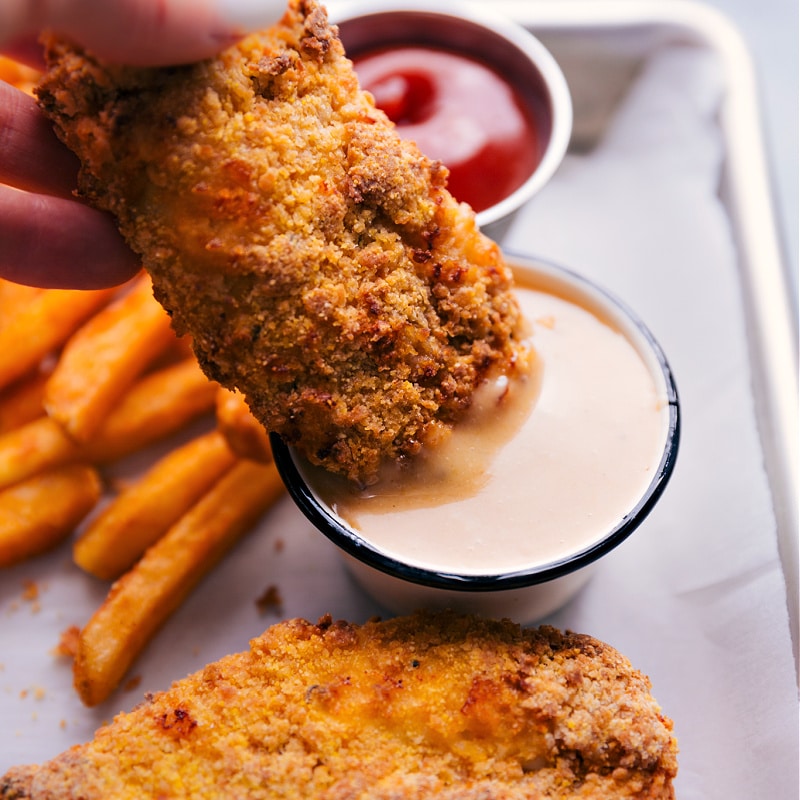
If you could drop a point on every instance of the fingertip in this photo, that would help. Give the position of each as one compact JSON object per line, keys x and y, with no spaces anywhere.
{"x":245,"y":16}
{"x":167,"y":33}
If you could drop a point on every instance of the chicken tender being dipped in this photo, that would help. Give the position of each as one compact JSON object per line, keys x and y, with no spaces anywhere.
{"x":318,"y":261}
{"x":435,"y":705}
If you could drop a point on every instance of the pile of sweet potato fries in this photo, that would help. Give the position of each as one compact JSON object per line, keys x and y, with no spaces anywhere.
{"x":88,"y":378}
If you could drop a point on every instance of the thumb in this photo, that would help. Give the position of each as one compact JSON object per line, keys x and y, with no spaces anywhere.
{"x":140,"y":32}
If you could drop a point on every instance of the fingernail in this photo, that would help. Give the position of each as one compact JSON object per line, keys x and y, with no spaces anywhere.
{"x":250,"y":15}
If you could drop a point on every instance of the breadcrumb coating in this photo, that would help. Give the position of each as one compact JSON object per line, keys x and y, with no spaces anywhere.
{"x":432,"y":705}
{"x":318,"y":261}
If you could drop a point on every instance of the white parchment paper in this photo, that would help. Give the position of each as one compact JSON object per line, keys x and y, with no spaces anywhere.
{"x":695,"y":598}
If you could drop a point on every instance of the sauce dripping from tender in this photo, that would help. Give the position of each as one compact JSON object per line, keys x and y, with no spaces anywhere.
{"x":544,"y":467}
{"x":458,"y":111}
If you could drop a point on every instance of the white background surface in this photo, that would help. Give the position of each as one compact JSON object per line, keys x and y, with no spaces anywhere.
{"x":695,"y":598}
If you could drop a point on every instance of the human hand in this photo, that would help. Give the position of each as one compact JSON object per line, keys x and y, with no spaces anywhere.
{"x":47,"y":236}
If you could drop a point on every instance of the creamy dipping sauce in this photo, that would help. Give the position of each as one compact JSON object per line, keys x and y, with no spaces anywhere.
{"x":542,"y":468}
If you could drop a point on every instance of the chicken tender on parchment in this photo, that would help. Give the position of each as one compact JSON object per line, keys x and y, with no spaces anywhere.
{"x":434,"y":705}
{"x":318,"y":261}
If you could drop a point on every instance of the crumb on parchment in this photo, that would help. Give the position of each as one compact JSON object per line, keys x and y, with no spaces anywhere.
{"x":270,"y":600}
{"x":67,"y":645}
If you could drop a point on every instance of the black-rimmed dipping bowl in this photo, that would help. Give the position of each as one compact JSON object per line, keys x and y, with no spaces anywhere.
{"x":530,"y":592}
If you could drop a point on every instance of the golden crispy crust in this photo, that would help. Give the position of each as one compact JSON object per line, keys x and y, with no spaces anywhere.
{"x":433,"y":705}
{"x":318,"y":261}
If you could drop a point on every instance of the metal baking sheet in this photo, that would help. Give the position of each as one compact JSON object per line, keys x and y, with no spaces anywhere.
{"x":737,"y":731}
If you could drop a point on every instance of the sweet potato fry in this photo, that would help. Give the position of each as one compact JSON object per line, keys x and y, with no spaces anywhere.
{"x":33,"y":448}
{"x":19,"y":75}
{"x":39,"y":513}
{"x":22,"y":402}
{"x":159,"y":404}
{"x":142,"y":600}
{"x":179,"y":350}
{"x":104,"y":358}
{"x":14,"y":296}
{"x":245,"y":434}
{"x":139,"y":515}
{"x":33,"y":330}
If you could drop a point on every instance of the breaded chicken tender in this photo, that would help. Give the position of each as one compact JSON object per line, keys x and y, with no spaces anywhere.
{"x":318,"y":261}
{"x":433,"y":705}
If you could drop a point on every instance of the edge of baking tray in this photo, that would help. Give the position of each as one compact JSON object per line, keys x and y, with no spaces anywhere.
{"x":749,"y":198}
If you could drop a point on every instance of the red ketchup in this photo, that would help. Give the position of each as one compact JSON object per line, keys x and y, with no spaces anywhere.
{"x":459,"y":111}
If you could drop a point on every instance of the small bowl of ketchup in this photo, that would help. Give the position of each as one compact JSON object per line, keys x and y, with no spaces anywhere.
{"x":475,"y":90}
{"x":543,"y":478}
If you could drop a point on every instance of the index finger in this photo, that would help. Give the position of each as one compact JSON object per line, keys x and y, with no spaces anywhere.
{"x":53,"y":242}
{"x":33,"y":157}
